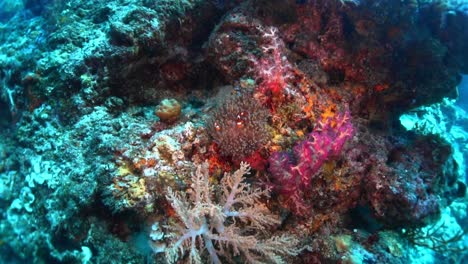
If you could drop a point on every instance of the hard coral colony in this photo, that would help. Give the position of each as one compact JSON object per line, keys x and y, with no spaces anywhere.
{"x":247,"y":131}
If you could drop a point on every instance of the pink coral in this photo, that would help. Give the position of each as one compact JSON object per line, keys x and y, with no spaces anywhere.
{"x":292,"y":175}
{"x":273,"y":70}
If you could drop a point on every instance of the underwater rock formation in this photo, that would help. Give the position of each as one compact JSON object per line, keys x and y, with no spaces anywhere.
{"x":128,"y":128}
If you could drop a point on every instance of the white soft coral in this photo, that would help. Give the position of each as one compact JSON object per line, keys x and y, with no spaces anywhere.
{"x":228,"y":228}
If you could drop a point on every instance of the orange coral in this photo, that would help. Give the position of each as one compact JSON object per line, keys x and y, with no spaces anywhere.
{"x":168,"y":110}
{"x":381,"y":87}
{"x":217,"y":164}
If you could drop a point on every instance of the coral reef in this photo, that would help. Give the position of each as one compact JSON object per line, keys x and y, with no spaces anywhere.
{"x":207,"y":226}
{"x":322,"y":131}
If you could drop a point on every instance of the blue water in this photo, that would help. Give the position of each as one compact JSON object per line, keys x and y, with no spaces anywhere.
{"x":463,"y":93}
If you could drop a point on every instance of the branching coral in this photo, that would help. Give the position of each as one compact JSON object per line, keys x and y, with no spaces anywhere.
{"x":292,"y":175}
{"x":228,"y":228}
{"x":434,"y":237}
{"x":273,"y":70}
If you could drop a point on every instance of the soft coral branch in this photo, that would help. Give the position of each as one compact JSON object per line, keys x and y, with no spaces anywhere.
{"x":273,"y":70}
{"x":205,"y":225}
{"x":292,"y":175}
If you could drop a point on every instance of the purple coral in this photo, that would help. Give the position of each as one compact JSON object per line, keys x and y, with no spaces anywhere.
{"x":292,"y":174}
